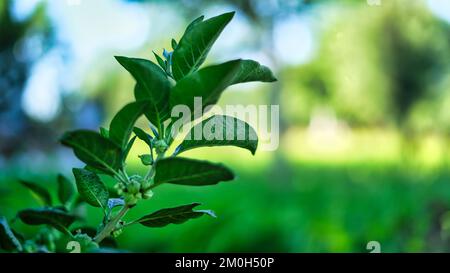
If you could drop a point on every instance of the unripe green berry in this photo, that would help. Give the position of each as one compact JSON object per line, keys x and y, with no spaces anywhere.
{"x":148,"y":194}
{"x":134,"y":187}
{"x":130,"y":200}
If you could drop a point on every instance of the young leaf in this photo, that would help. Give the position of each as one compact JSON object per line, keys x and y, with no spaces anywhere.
{"x":183,"y":171}
{"x":221,"y":131}
{"x":65,"y":189}
{"x":160,"y":61}
{"x":94,"y":150}
{"x":152,"y":85}
{"x":174,"y":44}
{"x":196,"y":43}
{"x":252,"y":71}
{"x":56,"y":218}
{"x":40,"y":192}
{"x":91,"y":188}
{"x":8,"y":241}
{"x":178,"y":215}
{"x":123,"y":123}
{"x":208,"y":83}
{"x":143,"y":136}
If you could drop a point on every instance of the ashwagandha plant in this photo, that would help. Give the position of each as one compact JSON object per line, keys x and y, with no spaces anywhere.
{"x":177,"y":80}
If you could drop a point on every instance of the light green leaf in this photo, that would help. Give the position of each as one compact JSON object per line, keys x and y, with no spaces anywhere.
{"x":221,"y":131}
{"x":56,"y":218}
{"x":152,"y":85}
{"x":208,"y":84}
{"x":8,"y":241}
{"x":183,"y":171}
{"x":196,"y":43}
{"x":123,"y":123}
{"x":40,"y":192}
{"x":178,"y":215}
{"x":65,"y":189}
{"x":252,"y":71}
{"x":91,"y":188}
{"x":94,"y":150}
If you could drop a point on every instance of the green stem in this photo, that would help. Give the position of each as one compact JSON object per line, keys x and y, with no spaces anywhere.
{"x":106,"y":231}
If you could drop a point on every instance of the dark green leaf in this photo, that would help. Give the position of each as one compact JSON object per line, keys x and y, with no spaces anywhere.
{"x":40,"y":192}
{"x":152,"y":85}
{"x":56,"y":218}
{"x":208,"y":83}
{"x":128,"y":148}
{"x":104,"y":132}
{"x":143,"y":136}
{"x":123,"y":123}
{"x":183,"y":171}
{"x":147,"y":160}
{"x":221,"y":131}
{"x":94,"y":150}
{"x":251,"y":71}
{"x":174,"y":44}
{"x":8,"y":240}
{"x":196,"y":43}
{"x":91,"y":188}
{"x":178,"y":215}
{"x":65,"y":189}
{"x":194,"y":23}
{"x":160,"y":61}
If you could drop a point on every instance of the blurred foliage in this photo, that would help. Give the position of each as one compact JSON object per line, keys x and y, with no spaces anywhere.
{"x":379,"y":75}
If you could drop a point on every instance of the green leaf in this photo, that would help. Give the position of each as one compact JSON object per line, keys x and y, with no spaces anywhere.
{"x":127,"y":150}
{"x":252,"y":71}
{"x":221,"y":131}
{"x":178,"y":215}
{"x":40,"y":192}
{"x":142,"y":135}
{"x":147,"y":160}
{"x":160,"y":61}
{"x":174,"y":44}
{"x":94,"y":150}
{"x":183,"y":171}
{"x":91,"y":188}
{"x":65,"y":189}
{"x":56,"y":218}
{"x":152,"y":85}
{"x":196,"y":43}
{"x":123,"y":123}
{"x":104,"y":132}
{"x":194,"y":23}
{"x":8,"y":241}
{"x":208,"y":83}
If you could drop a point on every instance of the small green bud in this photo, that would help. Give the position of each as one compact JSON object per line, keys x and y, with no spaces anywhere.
{"x":148,"y":194}
{"x":146,"y":184}
{"x":116,"y":233}
{"x":134,"y":187}
{"x":131,"y":200}
{"x":160,"y":146}
{"x":146,"y":160}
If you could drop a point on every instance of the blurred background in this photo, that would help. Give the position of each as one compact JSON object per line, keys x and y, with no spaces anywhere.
{"x":364,"y":95}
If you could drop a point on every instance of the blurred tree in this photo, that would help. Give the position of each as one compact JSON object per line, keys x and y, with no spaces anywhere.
{"x":16,"y":129}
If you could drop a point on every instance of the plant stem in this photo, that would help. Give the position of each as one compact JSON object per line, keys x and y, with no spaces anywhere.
{"x":106,"y":231}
